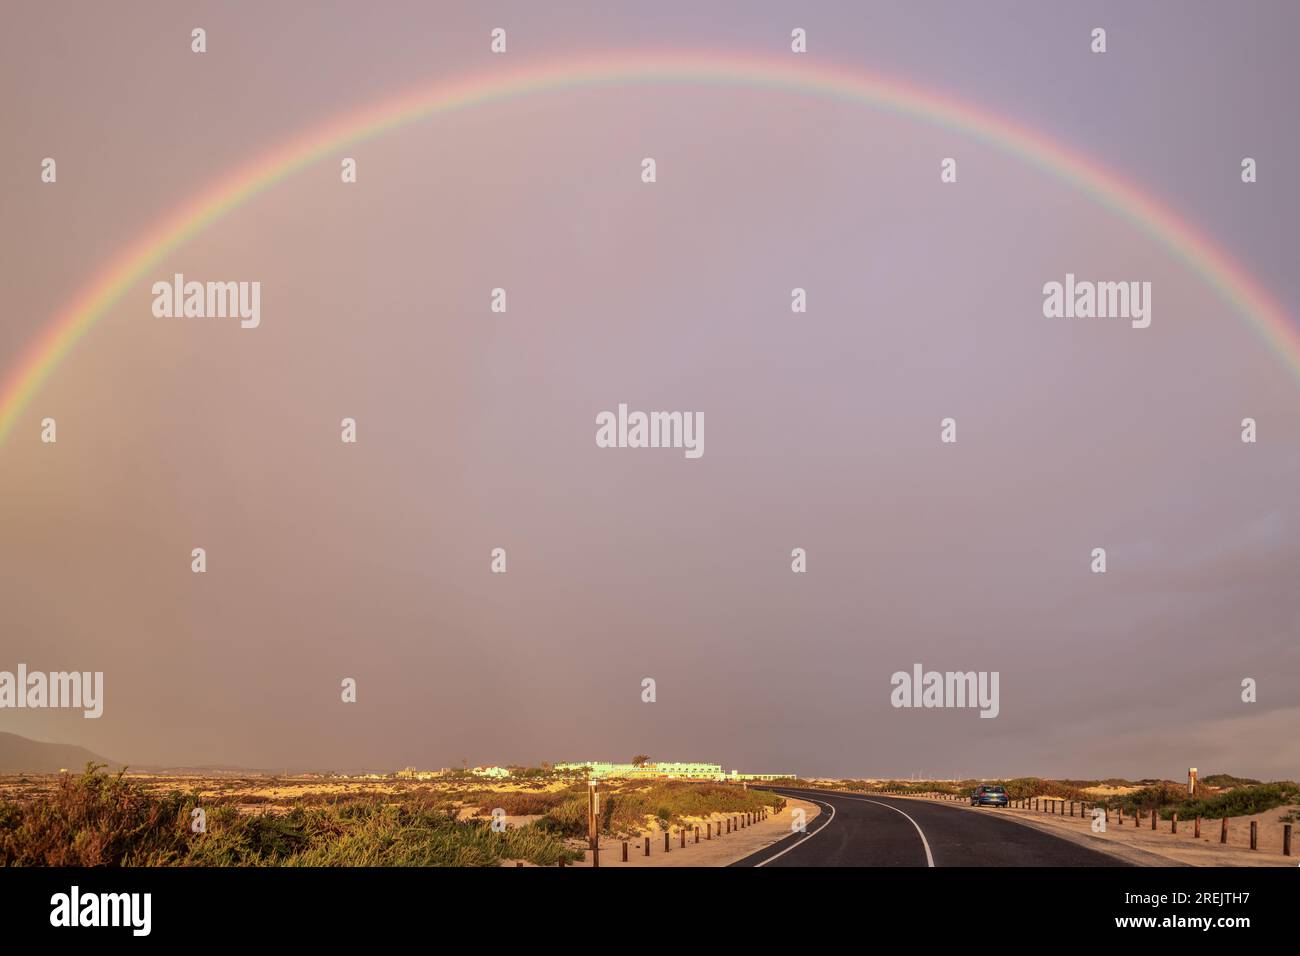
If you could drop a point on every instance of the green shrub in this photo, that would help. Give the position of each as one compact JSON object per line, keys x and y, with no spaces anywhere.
{"x":1239,"y":802}
{"x":100,"y":820}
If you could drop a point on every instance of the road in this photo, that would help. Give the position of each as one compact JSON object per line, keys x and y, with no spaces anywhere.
{"x":868,"y":830}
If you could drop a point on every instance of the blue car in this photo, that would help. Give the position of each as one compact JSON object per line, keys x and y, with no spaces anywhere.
{"x":989,"y":797}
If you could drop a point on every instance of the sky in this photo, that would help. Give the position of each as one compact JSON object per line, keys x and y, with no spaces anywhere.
{"x":476,"y":430}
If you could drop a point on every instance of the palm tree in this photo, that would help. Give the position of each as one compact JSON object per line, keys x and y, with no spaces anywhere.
{"x":640,"y":760}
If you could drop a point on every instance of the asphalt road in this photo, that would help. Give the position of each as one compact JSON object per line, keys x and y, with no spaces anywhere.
{"x":865,"y":830}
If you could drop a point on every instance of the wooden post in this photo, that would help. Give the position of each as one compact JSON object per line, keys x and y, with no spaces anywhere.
{"x":1174,"y":823}
{"x":708,"y":830}
{"x":624,"y":851}
{"x":1154,"y":817}
{"x":697,"y":834}
{"x":1223,"y":833}
{"x":1197,"y":832}
{"x":561,"y":861}
{"x":1254,"y":835}
{"x":683,"y":831}
{"x":1286,"y":839}
{"x":1121,"y":816}
{"x":593,"y":827}
{"x":667,"y":848}
{"x":647,"y":844}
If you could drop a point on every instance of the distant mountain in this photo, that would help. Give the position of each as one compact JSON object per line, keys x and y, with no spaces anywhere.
{"x":18,"y":754}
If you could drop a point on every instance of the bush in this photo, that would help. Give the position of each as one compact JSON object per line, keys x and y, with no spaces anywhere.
{"x":93,"y":820}
{"x":1239,"y":802}
{"x":626,"y":809}
{"x":100,"y":820}
{"x":517,"y":804}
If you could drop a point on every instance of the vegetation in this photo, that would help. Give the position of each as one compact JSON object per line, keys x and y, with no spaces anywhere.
{"x":1238,"y":802}
{"x":102,"y":819}
{"x":98,"y":819}
{"x":1222,"y":780}
{"x":627,"y":809}
{"x":524,"y":803}
{"x":1021,"y":788}
{"x":1218,"y":795}
{"x":1017,"y":789}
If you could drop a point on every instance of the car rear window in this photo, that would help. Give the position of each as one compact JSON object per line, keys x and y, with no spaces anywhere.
{"x":992,"y":789}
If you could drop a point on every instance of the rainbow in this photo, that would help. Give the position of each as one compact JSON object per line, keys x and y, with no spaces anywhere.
{"x":789,"y":73}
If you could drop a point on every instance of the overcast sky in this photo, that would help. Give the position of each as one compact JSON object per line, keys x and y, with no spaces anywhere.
{"x":477,"y":430}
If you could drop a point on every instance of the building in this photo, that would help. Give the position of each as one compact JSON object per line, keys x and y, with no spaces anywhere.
{"x":682,"y":771}
{"x":663,"y":770}
{"x":410,"y":773}
{"x":490,"y":772}
{"x":736,"y":776}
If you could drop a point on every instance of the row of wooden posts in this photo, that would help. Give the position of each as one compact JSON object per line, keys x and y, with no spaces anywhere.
{"x":734,"y":822}
{"x":1058,"y":807}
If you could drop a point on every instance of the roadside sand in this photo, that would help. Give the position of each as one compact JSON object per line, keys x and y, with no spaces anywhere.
{"x":1170,"y":848}
{"x":720,"y":851}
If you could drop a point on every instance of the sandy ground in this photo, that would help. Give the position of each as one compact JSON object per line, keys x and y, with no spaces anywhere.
{"x":1172,"y":848}
{"x":720,"y":851}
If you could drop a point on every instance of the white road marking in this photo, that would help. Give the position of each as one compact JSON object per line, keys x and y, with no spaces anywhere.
{"x":806,"y":838}
{"x":929,"y":858}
